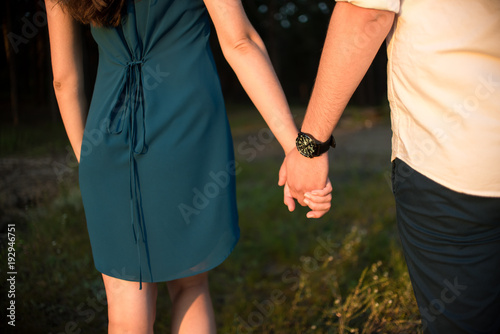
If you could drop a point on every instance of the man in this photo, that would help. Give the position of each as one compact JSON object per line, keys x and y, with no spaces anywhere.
{"x":444,"y":92}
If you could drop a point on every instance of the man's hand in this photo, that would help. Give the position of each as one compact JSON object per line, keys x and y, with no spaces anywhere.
{"x":319,"y":201}
{"x":301,"y":175}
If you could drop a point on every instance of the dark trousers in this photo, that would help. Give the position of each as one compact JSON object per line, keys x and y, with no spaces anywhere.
{"x":451,"y":243}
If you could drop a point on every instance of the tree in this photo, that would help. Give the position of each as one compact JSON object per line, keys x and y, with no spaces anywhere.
{"x":11,"y":63}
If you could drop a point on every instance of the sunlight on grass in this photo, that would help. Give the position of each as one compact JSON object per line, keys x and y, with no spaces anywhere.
{"x":343,"y":273}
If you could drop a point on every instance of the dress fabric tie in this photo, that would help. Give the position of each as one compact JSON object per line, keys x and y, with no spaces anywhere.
{"x":130,"y":107}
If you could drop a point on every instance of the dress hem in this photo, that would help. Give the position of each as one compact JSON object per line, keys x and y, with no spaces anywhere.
{"x":174,"y":277}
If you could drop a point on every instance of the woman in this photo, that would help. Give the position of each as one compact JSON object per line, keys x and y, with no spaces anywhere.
{"x":156,"y":159}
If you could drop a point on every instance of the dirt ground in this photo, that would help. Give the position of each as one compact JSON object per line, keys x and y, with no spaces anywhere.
{"x":26,"y":182}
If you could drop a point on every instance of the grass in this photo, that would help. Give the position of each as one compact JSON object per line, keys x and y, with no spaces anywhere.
{"x":343,"y":273}
{"x":32,"y":140}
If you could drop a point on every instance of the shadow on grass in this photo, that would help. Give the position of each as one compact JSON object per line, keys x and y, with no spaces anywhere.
{"x":343,"y":273}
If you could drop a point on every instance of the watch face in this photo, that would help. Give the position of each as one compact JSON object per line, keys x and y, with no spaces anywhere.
{"x":305,"y":145}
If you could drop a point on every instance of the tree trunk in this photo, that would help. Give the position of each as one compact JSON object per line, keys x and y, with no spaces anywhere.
{"x":11,"y":63}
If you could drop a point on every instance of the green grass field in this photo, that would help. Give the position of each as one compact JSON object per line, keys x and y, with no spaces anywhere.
{"x":343,"y":273}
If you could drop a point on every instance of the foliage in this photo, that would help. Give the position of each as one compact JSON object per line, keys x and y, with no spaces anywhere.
{"x":293,"y":31}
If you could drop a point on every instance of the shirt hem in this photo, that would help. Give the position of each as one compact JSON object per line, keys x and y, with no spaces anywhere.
{"x":444,"y":183}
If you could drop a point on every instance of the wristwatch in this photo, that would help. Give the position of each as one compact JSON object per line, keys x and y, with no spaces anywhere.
{"x":310,"y":147}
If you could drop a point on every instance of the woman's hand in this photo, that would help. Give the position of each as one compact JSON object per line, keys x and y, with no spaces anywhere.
{"x":319,"y":201}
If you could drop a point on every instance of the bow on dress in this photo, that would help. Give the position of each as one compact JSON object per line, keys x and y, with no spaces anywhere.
{"x":129,"y":109}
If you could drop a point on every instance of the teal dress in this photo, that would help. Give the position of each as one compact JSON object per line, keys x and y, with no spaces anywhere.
{"x":157,"y":170}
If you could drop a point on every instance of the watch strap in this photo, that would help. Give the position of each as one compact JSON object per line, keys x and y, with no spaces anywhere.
{"x":325,"y":146}
{"x":321,"y":147}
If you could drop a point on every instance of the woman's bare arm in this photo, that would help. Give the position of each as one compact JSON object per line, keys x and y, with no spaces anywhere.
{"x":245,"y":52}
{"x":67,"y":68}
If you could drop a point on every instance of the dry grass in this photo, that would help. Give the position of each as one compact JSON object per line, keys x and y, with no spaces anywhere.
{"x":343,"y":273}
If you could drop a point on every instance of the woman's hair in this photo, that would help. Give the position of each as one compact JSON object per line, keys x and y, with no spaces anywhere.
{"x":102,"y":13}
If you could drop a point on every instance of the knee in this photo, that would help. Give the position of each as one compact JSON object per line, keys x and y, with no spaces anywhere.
{"x":121,"y":325}
{"x":130,"y":321}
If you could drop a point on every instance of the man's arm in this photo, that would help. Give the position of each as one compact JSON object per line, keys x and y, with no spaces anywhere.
{"x":353,"y":39}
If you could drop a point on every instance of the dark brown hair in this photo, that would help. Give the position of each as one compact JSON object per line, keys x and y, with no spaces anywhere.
{"x":102,"y":13}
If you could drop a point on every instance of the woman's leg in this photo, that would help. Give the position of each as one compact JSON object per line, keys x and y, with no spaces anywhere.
{"x":130,"y":310}
{"x":192,"y":306}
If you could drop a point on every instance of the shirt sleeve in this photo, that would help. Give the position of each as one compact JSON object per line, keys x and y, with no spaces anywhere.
{"x":389,"y":5}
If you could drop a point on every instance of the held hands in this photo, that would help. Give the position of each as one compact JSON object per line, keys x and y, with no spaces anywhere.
{"x":307,"y":181}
